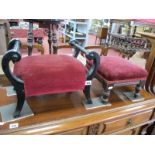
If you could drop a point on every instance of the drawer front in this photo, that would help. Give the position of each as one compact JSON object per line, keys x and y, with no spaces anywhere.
{"x":128,"y":132}
{"x":116,"y":125}
{"x":80,"y":131}
{"x":134,"y":131}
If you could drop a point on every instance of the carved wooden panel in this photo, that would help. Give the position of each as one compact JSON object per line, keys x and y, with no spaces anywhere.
{"x":93,"y":129}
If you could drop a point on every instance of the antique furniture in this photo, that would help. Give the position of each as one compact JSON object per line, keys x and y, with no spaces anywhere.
{"x":150,"y":64}
{"x":66,"y":115}
{"x":119,"y":22}
{"x":75,"y":30}
{"x":14,"y":22}
{"x":68,"y":50}
{"x":22,"y":33}
{"x":101,"y":34}
{"x":127,"y":45}
{"x":52,"y":26}
{"x":115,"y":71}
{"x":102,"y":50}
{"x":39,"y":75}
{"x":35,"y":46}
{"x":4,"y":35}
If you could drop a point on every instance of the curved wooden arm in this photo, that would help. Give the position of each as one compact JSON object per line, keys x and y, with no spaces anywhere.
{"x":90,"y":56}
{"x":13,"y":54}
{"x":37,"y":46}
{"x":96,"y":62}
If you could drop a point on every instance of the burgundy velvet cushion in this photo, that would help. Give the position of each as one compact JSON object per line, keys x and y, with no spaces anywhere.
{"x":115,"y":69}
{"x":50,"y":74}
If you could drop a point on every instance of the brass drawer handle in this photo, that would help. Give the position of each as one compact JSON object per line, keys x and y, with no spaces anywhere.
{"x":130,"y":122}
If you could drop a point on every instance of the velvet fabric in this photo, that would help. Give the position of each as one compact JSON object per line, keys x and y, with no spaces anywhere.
{"x":49,"y":74}
{"x":115,"y":69}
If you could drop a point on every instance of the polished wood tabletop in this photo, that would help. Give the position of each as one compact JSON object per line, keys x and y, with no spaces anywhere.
{"x":54,"y":113}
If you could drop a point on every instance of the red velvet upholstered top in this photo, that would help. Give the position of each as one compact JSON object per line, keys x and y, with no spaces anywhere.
{"x":49,"y":74}
{"x":115,"y":69}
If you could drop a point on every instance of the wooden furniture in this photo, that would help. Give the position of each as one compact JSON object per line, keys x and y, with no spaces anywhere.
{"x":65,"y":114}
{"x":14,"y":22}
{"x":150,"y":64}
{"x":115,"y":72}
{"x":38,"y":34}
{"x":74,"y":29}
{"x":51,"y":25}
{"x":37,"y":46}
{"x":127,"y":45}
{"x":102,"y":49}
{"x":29,"y":69}
{"x":101,"y":34}
{"x":4,"y":35}
{"x":68,"y":50}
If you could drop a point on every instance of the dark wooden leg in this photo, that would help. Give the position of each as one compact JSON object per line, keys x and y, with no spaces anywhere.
{"x":20,"y":102}
{"x":137,"y":90}
{"x":30,"y":38}
{"x":106,"y":95}
{"x":54,"y":38}
{"x":50,"y":40}
{"x":86,"y":91}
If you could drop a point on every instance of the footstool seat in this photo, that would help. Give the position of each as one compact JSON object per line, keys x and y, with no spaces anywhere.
{"x":49,"y":74}
{"x":117,"y":70}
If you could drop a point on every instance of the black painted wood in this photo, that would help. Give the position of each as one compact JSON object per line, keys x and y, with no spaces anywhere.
{"x":13,"y":54}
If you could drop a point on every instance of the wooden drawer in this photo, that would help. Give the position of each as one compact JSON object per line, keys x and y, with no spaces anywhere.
{"x":127,"y":132}
{"x":134,"y":131}
{"x":130,"y":121}
{"x":80,"y":131}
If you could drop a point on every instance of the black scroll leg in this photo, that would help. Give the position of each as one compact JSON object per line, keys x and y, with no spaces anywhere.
{"x":20,"y":102}
{"x":86,"y":92}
